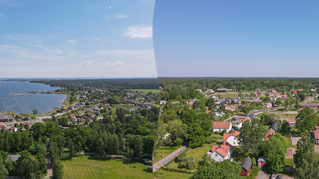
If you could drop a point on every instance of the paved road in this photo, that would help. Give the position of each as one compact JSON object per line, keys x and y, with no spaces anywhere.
{"x":254,"y":112}
{"x":168,"y":158}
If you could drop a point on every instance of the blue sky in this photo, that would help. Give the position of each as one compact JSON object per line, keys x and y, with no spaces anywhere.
{"x":232,"y":38}
{"x":108,"y":38}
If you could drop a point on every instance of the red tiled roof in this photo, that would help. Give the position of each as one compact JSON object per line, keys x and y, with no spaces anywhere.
{"x":214,"y":148}
{"x":291,"y":120}
{"x":226,"y":135}
{"x":221,"y":125}
{"x":243,"y":120}
{"x":208,"y":111}
{"x":316,"y":127}
{"x":316,"y":134}
{"x":191,"y":103}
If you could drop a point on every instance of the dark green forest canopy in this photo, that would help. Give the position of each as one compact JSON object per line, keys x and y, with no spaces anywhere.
{"x":240,"y":84}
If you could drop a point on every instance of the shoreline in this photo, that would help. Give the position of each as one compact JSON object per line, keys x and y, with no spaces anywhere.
{"x":37,"y":92}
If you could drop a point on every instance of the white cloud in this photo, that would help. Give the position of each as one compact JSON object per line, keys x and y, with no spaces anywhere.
{"x":139,"y":32}
{"x":117,"y":16}
{"x":117,"y":63}
{"x":34,"y":54}
{"x":71,"y":41}
{"x":108,"y":7}
{"x":147,"y":2}
{"x":137,"y":54}
{"x":98,"y":39}
{"x":87,"y":62}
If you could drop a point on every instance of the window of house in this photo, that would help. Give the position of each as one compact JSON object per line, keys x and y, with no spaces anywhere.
{"x":216,"y":155}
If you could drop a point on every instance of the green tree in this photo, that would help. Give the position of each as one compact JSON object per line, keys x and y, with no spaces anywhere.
{"x":218,"y":170}
{"x":275,"y":151}
{"x":251,"y":135}
{"x":177,"y":129}
{"x":210,"y":103}
{"x":309,"y":166}
{"x":306,"y":119}
{"x":35,"y":111}
{"x":304,"y":145}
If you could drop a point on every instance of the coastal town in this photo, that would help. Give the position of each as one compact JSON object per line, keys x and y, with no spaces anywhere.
{"x":243,"y":129}
{"x":101,"y":123}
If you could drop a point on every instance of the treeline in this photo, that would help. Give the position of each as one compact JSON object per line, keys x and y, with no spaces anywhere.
{"x":240,"y":84}
{"x":81,"y":84}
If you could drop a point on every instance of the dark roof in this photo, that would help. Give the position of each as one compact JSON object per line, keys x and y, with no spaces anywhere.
{"x":261,"y":159}
{"x":252,"y":116}
{"x":274,"y":126}
{"x":246,"y":164}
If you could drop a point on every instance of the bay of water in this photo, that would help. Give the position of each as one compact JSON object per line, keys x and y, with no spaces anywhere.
{"x":24,"y":103}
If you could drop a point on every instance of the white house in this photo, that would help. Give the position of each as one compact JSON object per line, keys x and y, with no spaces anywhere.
{"x":162,"y":102}
{"x":231,"y":138}
{"x":219,"y":113}
{"x":268,"y":105}
{"x":220,"y":126}
{"x":12,"y":129}
{"x":220,"y":153}
{"x":239,"y":123}
{"x":291,"y":121}
{"x":166,"y":135}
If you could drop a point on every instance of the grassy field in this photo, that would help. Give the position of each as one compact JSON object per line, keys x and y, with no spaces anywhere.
{"x":164,"y":174}
{"x":315,"y":101}
{"x":227,"y":95}
{"x":253,"y":173}
{"x":91,"y":167}
{"x":157,"y":91}
{"x":288,"y":142}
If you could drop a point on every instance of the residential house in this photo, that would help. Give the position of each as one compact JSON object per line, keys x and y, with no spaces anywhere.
{"x":230,"y":108}
{"x":268,"y":105}
{"x":72,"y":116}
{"x":64,"y":108}
{"x":80,"y":120}
{"x":271,"y":131}
{"x":162,"y":102}
{"x":131,"y":109}
{"x":14,"y":158}
{"x":251,"y":116}
{"x":261,"y":161}
{"x":219,"y":113}
{"x":95,"y":108}
{"x":246,"y":167}
{"x":221,"y":126}
{"x":220,"y":153}
{"x":27,"y":117}
{"x":71,"y":107}
{"x":89,"y":110}
{"x":312,"y":105}
{"x":220,"y":103}
{"x":240,"y":122}
{"x":208,"y":111}
{"x":12,"y":129}
{"x":25,"y":123}
{"x":259,"y":94}
{"x":291,"y":121}
{"x":231,"y":138}
{"x":81,"y":112}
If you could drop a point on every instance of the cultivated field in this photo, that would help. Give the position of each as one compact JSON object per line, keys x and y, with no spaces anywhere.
{"x":86,"y":167}
{"x":164,"y":174}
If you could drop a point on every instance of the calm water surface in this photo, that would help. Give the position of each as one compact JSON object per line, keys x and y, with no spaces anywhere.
{"x":24,"y":103}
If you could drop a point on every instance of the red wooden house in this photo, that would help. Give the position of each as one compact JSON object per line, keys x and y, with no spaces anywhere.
{"x":246,"y":167}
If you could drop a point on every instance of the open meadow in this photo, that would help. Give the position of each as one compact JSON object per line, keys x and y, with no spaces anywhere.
{"x":86,"y":167}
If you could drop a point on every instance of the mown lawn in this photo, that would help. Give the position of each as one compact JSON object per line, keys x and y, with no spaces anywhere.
{"x":164,"y":174}
{"x":157,"y":91}
{"x":315,"y":101}
{"x":253,"y":173}
{"x":288,"y":142}
{"x":84,"y":167}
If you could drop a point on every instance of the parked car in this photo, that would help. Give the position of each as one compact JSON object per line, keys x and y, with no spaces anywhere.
{"x":273,"y":176}
{"x":279,"y":177}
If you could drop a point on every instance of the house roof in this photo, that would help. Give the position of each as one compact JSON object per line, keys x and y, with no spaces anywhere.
{"x":316,"y":134}
{"x":274,"y":126}
{"x":208,"y":111}
{"x":221,"y":125}
{"x":246,"y":164}
{"x":291,"y":120}
{"x":243,"y":120}
{"x":191,"y":103}
{"x":72,"y":115}
{"x":222,"y":152}
{"x":261,"y":159}
{"x":316,"y":127}
{"x":214,"y":148}
{"x":226,"y":135}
